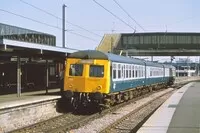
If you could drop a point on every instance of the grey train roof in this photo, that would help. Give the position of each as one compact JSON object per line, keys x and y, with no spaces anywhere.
{"x":93,"y":54}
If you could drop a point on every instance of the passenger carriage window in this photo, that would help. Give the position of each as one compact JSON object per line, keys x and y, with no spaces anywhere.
{"x":119,"y":71}
{"x":126,"y":71}
{"x":133,"y":72}
{"x":96,"y":71}
{"x":114,"y":74}
{"x":76,"y":70}
{"x":114,"y":71}
{"x":139,"y":71}
{"x":136,"y":72}
{"x":142,"y":71}
{"x":129,"y":71}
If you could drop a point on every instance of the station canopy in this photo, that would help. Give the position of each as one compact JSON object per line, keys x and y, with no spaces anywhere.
{"x":26,"y":35}
{"x":17,"y":41}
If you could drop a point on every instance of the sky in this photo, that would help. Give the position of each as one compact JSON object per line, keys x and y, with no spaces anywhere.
{"x":153,"y":16}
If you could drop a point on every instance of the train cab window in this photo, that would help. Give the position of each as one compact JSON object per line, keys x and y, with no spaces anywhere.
{"x":96,"y":71}
{"x":76,"y":70}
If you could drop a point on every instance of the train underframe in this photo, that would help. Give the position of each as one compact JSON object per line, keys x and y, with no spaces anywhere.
{"x":80,"y":100}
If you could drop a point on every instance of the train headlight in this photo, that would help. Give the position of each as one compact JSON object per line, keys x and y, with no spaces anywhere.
{"x":99,"y":87}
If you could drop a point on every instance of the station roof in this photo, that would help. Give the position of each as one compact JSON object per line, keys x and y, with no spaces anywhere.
{"x":26,"y":49}
{"x":25,"y":35}
{"x":16,"y":41}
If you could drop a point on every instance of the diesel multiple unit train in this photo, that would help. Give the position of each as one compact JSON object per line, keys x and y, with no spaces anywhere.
{"x":106,"y":79}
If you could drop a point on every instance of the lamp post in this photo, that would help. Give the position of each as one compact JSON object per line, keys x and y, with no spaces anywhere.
{"x":198,"y":66}
{"x":63,"y":28}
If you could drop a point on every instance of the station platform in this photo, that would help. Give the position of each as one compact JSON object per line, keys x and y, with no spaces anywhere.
{"x":29,"y":108}
{"x":11,"y":100}
{"x":179,"y":114}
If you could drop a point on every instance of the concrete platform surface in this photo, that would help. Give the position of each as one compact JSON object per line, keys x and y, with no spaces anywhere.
{"x":179,"y":114}
{"x":11,"y":100}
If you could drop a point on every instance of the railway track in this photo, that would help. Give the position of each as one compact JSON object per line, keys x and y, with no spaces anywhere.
{"x":70,"y":121}
{"x":49,"y":125}
{"x":132,"y":121}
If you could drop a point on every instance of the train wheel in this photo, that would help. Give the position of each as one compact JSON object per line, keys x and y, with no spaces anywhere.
{"x":126,"y":96}
{"x":75,"y":104}
{"x":107,"y":103}
{"x":131,"y":94}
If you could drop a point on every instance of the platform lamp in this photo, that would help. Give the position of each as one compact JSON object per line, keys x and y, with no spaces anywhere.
{"x":172,"y":58}
{"x":198,"y":66}
{"x":63,"y":24}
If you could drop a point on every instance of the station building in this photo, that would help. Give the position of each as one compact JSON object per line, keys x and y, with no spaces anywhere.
{"x":186,"y":67}
{"x":29,"y":60}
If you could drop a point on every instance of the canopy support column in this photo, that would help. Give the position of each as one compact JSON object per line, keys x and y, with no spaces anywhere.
{"x":18,"y":77}
{"x":47,"y":76}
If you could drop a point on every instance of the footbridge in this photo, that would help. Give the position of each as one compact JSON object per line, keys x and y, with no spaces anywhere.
{"x":152,"y":44}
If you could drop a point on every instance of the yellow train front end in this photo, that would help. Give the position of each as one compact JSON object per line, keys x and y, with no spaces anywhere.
{"x":86,"y":80}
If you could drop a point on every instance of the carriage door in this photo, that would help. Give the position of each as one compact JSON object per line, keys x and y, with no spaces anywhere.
{"x":145,"y":73}
{"x":163,"y":75}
